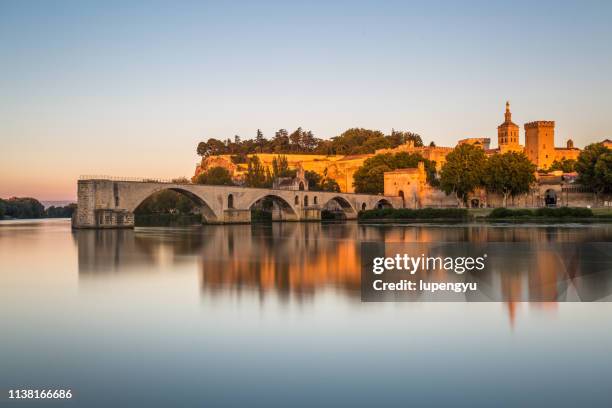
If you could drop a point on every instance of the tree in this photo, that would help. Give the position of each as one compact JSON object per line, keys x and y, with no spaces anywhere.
{"x":509,"y":174}
{"x":215,"y":176}
{"x":565,"y":165}
{"x":60,"y":212}
{"x":256,"y":175}
{"x":280,"y":167}
{"x":260,"y":141}
{"x":463,"y":171}
{"x":594,"y":167}
{"x":309,"y":142}
{"x":280,"y":143}
{"x":352,"y":141}
{"x":328,"y":184}
{"x":22,"y":207}
{"x":295,"y":140}
{"x":369,"y":178}
{"x":212,"y":147}
{"x":167,"y":202}
{"x":316,"y":182}
{"x":399,"y":138}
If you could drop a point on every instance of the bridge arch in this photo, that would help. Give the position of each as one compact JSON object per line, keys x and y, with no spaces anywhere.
{"x":280,"y":207}
{"x":206,"y":210}
{"x":383,"y":203}
{"x":342,"y":203}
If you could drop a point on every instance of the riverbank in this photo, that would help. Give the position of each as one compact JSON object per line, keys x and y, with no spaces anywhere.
{"x":463,"y":215}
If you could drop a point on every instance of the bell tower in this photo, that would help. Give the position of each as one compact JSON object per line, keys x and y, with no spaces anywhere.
{"x":508,"y":133}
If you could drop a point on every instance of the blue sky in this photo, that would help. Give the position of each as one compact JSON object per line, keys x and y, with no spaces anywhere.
{"x":129,"y":88}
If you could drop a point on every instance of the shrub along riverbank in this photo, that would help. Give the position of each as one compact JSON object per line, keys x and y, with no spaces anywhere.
{"x":498,"y":214}
{"x":560,"y":212}
{"x":429,"y":214}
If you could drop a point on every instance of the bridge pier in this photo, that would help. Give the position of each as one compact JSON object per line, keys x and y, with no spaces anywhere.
{"x":233,"y":216}
{"x":310,"y":214}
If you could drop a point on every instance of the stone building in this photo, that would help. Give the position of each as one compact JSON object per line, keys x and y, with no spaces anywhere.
{"x":297,"y":183}
{"x":539,"y":148}
{"x":540,"y":144}
{"x":508,"y":134}
{"x":482,"y":142}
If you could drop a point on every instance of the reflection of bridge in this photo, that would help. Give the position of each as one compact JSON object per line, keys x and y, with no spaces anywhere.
{"x":110,"y":203}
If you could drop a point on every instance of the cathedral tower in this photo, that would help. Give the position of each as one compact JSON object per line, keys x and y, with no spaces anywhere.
{"x":508,"y":133}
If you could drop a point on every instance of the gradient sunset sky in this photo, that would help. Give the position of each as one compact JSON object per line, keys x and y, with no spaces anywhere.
{"x":130,"y":88}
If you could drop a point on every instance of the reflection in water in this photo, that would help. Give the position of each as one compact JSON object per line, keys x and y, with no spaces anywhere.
{"x":271,"y":316}
{"x":296,"y":259}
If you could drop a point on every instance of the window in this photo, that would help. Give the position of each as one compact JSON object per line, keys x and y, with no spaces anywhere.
{"x":230,"y":201}
{"x":305,"y":201}
{"x":363,"y":206}
{"x":297,"y":200}
{"x":315,"y":200}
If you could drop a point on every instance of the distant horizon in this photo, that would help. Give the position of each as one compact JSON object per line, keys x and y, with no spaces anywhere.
{"x":128,"y":89}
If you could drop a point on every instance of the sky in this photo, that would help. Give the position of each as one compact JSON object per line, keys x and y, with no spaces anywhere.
{"x":129,"y":88}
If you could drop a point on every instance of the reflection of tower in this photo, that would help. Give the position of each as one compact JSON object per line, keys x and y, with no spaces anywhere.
{"x":508,"y":133}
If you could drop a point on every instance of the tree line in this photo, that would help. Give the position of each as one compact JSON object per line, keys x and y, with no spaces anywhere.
{"x":300,"y":141}
{"x":468,"y":168}
{"x":28,"y":207}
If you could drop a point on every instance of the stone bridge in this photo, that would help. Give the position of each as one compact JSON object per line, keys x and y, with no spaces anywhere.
{"x":110,"y":203}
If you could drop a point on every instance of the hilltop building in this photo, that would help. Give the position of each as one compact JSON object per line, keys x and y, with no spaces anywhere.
{"x":411,"y":183}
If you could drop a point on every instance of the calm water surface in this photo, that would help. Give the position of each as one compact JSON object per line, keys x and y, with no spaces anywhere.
{"x":271,"y":316}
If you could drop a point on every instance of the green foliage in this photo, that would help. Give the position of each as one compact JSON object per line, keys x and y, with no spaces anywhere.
{"x":167,"y":202}
{"x":414,"y":214}
{"x":257,"y":175}
{"x":316,"y":182}
{"x":565,"y":165}
{"x":594,"y":167}
{"x":280,"y":167}
{"x":463,"y":171}
{"x":509,"y":174}
{"x":300,"y":141}
{"x":563,"y":212}
{"x":503,"y":212}
{"x":328,"y":184}
{"x":544,"y":212}
{"x":215,"y":176}
{"x":369,"y":178}
{"x":60,"y":212}
{"x":22,"y":207}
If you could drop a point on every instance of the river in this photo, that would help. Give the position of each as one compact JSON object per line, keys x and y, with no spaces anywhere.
{"x":271,"y":315}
